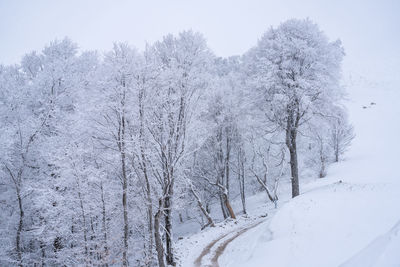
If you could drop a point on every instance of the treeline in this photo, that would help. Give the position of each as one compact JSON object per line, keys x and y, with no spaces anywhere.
{"x":102,"y":154}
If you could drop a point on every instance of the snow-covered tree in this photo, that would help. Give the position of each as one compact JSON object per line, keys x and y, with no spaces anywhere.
{"x":295,"y":71}
{"x":183,"y":61}
{"x":341,"y":133}
{"x":102,"y":154}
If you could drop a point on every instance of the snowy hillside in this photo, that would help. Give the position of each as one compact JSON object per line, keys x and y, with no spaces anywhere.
{"x":349,"y":218}
{"x":242,"y":134}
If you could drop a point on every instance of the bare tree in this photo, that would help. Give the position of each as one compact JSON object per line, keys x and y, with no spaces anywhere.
{"x":264,"y":173}
{"x":241,"y":158}
{"x":342,"y":134}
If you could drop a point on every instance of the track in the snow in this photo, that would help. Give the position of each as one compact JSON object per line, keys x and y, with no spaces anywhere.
{"x":215,"y":250}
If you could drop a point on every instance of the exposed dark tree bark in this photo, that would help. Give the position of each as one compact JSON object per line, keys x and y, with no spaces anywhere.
{"x":227,"y":161}
{"x":83,"y":215}
{"x":121,"y":139}
{"x":20,"y":226}
{"x":293,"y":118}
{"x":168,"y":229}
{"x":144,"y":169}
{"x":241,"y":179}
{"x":224,"y":195}
{"x":222,"y":204}
{"x":221,"y":162}
{"x":124,"y":194}
{"x":104,"y":226}
{"x":157,"y":235}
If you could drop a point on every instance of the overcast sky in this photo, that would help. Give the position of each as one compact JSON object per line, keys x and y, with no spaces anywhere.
{"x":369,"y":30}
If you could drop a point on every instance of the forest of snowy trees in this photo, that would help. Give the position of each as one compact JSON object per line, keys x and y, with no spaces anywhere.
{"x":102,"y":156}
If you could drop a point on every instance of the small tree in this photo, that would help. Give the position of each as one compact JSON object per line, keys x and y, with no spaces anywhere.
{"x":268,"y":167}
{"x":319,"y":149}
{"x":341,"y":135}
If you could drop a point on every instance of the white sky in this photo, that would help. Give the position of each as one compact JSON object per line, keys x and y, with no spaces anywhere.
{"x":369,"y":30}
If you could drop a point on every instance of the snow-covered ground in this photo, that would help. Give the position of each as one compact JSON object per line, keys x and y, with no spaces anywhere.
{"x":350,"y":218}
{"x":190,"y":247}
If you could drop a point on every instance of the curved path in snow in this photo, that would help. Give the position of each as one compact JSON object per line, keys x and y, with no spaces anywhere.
{"x":217,"y":247}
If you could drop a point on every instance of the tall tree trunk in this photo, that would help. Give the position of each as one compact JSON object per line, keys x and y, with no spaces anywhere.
{"x":225,"y":173}
{"x":322,"y":172}
{"x":93,"y":251}
{"x":241,"y":179}
{"x":20,"y":225}
{"x":168,"y":227}
{"x":149,"y":204}
{"x":42,"y":248}
{"x":291,"y":135}
{"x":228,"y":206}
{"x":227,"y":159}
{"x":220,"y":168}
{"x":157,"y":235}
{"x":122,"y":149}
{"x":125,"y":210}
{"x":294,"y":168}
{"x":104,"y":226}
{"x":223,"y":207}
{"x":294,"y":171}
{"x":84,"y":224}
{"x":149,"y":207}
{"x":150,"y":221}
{"x":124,"y":196}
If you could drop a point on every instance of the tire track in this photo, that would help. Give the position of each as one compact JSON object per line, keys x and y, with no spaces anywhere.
{"x":207,"y":250}
{"x":221,"y":248}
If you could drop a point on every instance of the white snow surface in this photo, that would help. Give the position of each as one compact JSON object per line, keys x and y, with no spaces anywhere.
{"x":351,"y":218}
{"x":190,"y":247}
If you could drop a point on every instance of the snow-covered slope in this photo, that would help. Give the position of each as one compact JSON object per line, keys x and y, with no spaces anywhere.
{"x":349,"y":218}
